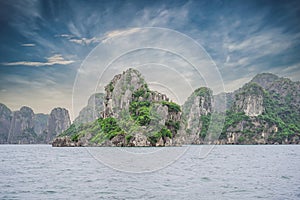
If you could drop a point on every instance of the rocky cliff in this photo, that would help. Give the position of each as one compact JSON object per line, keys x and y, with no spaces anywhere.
{"x":92,"y":111}
{"x":40,"y":126}
{"x":276,"y":119}
{"x":264,"y":111}
{"x":265,"y":80}
{"x":58,"y":121}
{"x":118,"y":93}
{"x":133,"y":115}
{"x":5,"y":120}
{"x":196,"y":109}
{"x":282,"y":90}
{"x":25,"y":127}
{"x":22,"y":127}
{"x":249,"y":100}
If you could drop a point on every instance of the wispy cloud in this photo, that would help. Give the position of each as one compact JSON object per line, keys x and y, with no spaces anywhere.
{"x":77,"y":40}
{"x":116,"y":33}
{"x":265,"y":42}
{"x":56,"y":59}
{"x":28,"y":45}
{"x":107,"y":36}
{"x":65,"y":35}
{"x":163,"y":16}
{"x":84,"y":41}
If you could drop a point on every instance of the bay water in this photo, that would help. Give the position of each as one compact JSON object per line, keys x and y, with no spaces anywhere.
{"x":227,"y":172}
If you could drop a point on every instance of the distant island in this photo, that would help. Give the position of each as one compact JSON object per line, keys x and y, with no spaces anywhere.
{"x":264,"y":111}
{"x":25,"y":127}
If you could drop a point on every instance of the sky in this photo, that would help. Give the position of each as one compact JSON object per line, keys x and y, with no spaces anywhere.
{"x":46,"y":47}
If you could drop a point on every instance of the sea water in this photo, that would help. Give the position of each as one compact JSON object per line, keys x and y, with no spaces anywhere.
{"x":227,"y":172}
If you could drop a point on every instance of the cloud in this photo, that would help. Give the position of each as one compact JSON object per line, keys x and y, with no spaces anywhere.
{"x":81,"y":41}
{"x":289,"y":71}
{"x":28,"y":45}
{"x":65,"y":36}
{"x":85,"y":41}
{"x":163,"y":16}
{"x":56,"y":59}
{"x":265,"y":42}
{"x":262,"y":51}
{"x":116,"y":33}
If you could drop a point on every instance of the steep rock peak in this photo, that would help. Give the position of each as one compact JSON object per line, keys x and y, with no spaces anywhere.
{"x":120,"y":89}
{"x":5,"y":119}
{"x":198,"y":104}
{"x":26,"y":111}
{"x":199,"y":101}
{"x":21,"y":128}
{"x":265,"y":79}
{"x":92,"y":110}
{"x":94,"y":98}
{"x":4,"y":110}
{"x":250,"y":100}
{"x":58,"y":121}
{"x":40,"y":123}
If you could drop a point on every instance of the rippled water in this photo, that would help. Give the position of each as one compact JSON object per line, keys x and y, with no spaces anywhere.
{"x":228,"y":172}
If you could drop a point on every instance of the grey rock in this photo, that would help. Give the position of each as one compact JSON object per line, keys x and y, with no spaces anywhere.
{"x":198,"y":104}
{"x":58,"y":121}
{"x":168,"y":142}
{"x":119,"y":140}
{"x":64,"y":142}
{"x":40,"y":125}
{"x":160,"y":143}
{"x":139,"y":140}
{"x":119,"y":92}
{"x":92,"y":111}
{"x":22,"y":127}
{"x":250,"y":100}
{"x":265,"y":80}
{"x":5,"y":120}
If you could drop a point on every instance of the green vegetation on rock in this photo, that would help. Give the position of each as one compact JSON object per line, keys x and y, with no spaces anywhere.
{"x":164,"y":132}
{"x":172,"y":107}
{"x":99,"y":130}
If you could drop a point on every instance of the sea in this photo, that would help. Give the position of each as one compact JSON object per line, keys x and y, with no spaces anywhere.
{"x":226,"y":172}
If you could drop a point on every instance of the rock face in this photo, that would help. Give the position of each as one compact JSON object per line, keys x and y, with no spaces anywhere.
{"x":64,"y":142}
{"x":25,"y":127}
{"x":265,"y":80}
{"x":284,"y":90}
{"x":197,"y":106}
{"x":118,"y":93}
{"x":132,"y":115}
{"x":250,"y":100}
{"x":265,"y":111}
{"x":128,"y":90}
{"x":58,"y":121}
{"x":22,"y":127}
{"x":40,"y":126}
{"x":5,"y":119}
{"x":92,"y":111}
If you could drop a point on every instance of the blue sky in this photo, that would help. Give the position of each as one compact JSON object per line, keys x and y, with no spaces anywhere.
{"x":43,"y":43}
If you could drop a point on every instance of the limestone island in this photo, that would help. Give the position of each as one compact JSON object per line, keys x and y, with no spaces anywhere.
{"x":264,"y":111}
